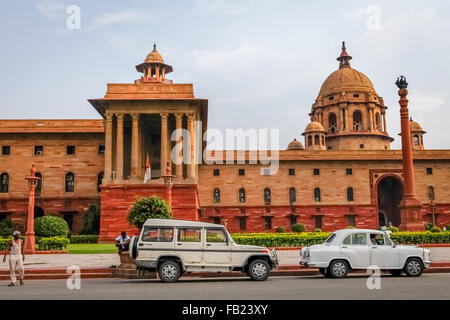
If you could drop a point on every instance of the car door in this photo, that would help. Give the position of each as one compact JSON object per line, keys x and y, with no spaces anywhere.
{"x":217,"y":247}
{"x":155,"y":241}
{"x":189,"y":245}
{"x":355,"y":248}
{"x":383,"y":254}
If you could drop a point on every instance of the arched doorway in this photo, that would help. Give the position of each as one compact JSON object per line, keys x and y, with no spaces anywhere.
{"x":38,"y":212}
{"x":390,"y":193}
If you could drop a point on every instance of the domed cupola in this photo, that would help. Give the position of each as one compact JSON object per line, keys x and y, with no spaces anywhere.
{"x":314,"y":136}
{"x":295,"y":145}
{"x":416,"y":135}
{"x":154,"y":68}
{"x":350,"y":110}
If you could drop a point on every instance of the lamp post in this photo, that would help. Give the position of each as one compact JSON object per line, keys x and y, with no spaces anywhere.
{"x":410,"y":205}
{"x":29,"y":247}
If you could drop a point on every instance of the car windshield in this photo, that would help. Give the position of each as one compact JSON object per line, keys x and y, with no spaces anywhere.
{"x":330,"y":238}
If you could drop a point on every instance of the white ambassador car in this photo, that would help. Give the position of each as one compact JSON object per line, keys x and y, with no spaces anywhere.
{"x":352,"y":249}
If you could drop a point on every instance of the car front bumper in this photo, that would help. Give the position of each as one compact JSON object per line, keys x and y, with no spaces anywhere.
{"x":427,"y":263}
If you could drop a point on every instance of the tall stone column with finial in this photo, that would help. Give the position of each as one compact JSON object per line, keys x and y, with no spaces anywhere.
{"x":29,"y":246}
{"x":410,"y":205}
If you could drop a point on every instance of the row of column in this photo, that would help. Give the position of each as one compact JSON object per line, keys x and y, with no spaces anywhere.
{"x":165,"y":150}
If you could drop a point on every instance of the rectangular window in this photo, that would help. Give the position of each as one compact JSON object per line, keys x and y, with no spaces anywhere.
{"x":70,"y":149}
{"x":216,"y":236}
{"x":429,"y":170}
{"x":38,"y":150}
{"x":216,"y":172}
{"x":292,"y":172}
{"x":318,"y":222}
{"x":154,"y":234}
{"x":189,"y":235}
{"x":242,"y":172}
{"x":101,"y":150}
{"x":216,"y":220}
{"x":349,"y":171}
{"x":242,"y":223}
{"x":6,"y":150}
{"x":292,"y":219}
{"x":316,"y":171}
{"x":268,"y":223}
{"x":351,"y":221}
{"x":361,"y":146}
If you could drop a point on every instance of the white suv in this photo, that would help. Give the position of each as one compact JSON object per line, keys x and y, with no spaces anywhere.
{"x":172,"y":247}
{"x":351,"y":249}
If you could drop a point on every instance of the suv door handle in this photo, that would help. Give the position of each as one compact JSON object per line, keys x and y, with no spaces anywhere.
{"x":208,"y":244}
{"x":374,"y":248}
{"x":179,"y":244}
{"x":344,"y":247}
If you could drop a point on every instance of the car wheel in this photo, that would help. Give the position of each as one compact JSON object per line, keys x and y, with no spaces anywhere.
{"x":134,"y":242}
{"x":396,"y":272}
{"x":258,"y":270}
{"x":413,"y":267}
{"x":338,"y":269}
{"x":169,"y":271}
{"x":323,"y":271}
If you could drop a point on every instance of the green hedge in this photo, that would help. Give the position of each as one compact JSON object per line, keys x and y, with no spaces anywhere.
{"x":85,"y":238}
{"x":311,"y":238}
{"x":51,"y":226}
{"x":53,"y":243}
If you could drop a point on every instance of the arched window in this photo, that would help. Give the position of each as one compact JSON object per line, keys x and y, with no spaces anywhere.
{"x":4,"y":183}
{"x":241,"y":195}
{"x":349,"y":194}
{"x":38,"y":189}
{"x":266,"y":196}
{"x":416,"y":140}
{"x":309,"y":140}
{"x":216,"y":195}
{"x":357,"y":121}
{"x":430,"y":193}
{"x":377,"y":121}
{"x":70,"y":182}
{"x":323,"y":140}
{"x":292,"y":195}
{"x":332,"y":123}
{"x":317,"y":194}
{"x":316,"y":140}
{"x":99,"y":181}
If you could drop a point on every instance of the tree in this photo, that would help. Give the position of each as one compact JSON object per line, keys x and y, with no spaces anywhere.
{"x":148,"y":208}
{"x":91,"y":220}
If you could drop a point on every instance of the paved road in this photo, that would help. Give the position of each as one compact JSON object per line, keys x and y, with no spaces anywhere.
{"x":429,"y":286}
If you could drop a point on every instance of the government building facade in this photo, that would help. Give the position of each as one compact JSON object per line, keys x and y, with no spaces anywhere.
{"x":344,"y":173}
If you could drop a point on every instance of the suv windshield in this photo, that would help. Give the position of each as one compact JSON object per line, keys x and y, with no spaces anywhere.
{"x":330,"y":238}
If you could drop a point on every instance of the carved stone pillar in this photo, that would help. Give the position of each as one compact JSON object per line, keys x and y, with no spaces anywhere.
{"x":134,"y":145}
{"x":384,"y":122}
{"x":191,"y":164}
{"x":179,"y":146}
{"x":163,"y":142}
{"x":119,"y":147}
{"x":108,"y":147}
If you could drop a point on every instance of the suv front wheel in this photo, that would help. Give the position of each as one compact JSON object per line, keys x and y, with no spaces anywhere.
{"x":169,"y":271}
{"x":258,"y":270}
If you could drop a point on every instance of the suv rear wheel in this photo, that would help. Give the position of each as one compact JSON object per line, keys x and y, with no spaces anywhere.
{"x":338,"y":269}
{"x":258,"y":270}
{"x":169,"y":271}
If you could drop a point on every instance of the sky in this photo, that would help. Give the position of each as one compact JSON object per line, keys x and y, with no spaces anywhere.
{"x":260,"y":63}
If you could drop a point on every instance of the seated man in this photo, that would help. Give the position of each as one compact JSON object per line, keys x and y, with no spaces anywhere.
{"x":123,"y":242}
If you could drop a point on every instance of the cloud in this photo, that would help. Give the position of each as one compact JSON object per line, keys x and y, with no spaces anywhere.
{"x":220,"y":7}
{"x":51,"y":10}
{"x":426,"y":102}
{"x":121,"y":16}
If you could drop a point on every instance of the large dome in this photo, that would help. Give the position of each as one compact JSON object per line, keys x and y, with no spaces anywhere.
{"x":346,"y":79}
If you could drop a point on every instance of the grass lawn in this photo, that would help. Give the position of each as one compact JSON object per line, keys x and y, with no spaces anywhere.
{"x":76,"y":248}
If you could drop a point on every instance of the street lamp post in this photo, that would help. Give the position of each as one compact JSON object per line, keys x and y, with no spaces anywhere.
{"x":410,"y":205}
{"x":29,"y":247}
{"x":168,"y":181}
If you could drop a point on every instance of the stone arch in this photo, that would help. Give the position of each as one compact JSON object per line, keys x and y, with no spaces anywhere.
{"x":389,"y":189}
{"x":357,"y":120}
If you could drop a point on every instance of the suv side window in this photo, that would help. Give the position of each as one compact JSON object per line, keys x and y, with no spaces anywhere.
{"x":359,"y":239}
{"x":216,"y":236}
{"x":155,"y":234}
{"x":189,"y":235}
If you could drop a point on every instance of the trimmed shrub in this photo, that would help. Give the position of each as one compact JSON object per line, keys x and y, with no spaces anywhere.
{"x":4,"y":243}
{"x":435,"y":229}
{"x":280,"y":230}
{"x":421,"y":237}
{"x":317,"y":230}
{"x":51,"y":226}
{"x":85,"y":238}
{"x":91,"y":221}
{"x":148,"y":208}
{"x":350,"y":227}
{"x":447,"y":228}
{"x":428,"y":226}
{"x":53,"y":243}
{"x":281,"y":239}
{"x":6,"y":227}
{"x":393,"y":229}
{"x":298,"y":227}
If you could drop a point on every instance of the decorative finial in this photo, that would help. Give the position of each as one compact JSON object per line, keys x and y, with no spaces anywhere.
{"x":401,"y":82}
{"x":154,"y":46}
{"x":344,"y":58}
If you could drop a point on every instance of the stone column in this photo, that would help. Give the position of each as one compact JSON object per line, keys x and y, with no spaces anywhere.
{"x":163,"y":73}
{"x":191,"y":164}
{"x":157,"y":72}
{"x":163,"y":142}
{"x":370,"y":119}
{"x":179,"y":146}
{"x":134,"y":146}
{"x":119,"y":147}
{"x":108,"y":147}
{"x":384,"y":122}
{"x":346,"y":118}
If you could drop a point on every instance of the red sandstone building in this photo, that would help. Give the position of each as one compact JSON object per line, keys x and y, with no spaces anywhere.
{"x":345,"y":173}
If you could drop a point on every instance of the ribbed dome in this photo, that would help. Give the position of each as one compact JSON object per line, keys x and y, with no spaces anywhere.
{"x":295,"y":145}
{"x":346,"y":79}
{"x":415,"y":127}
{"x":314,"y":127}
{"x":154,"y":56}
